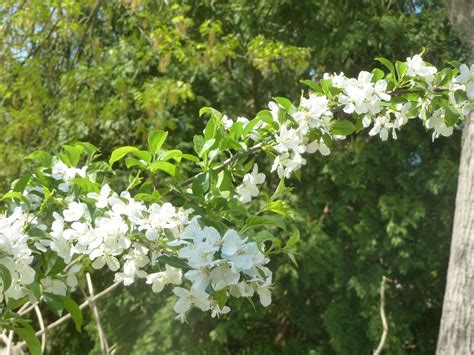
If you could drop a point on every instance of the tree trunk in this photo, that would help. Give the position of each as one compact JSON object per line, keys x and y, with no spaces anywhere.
{"x":456,"y":334}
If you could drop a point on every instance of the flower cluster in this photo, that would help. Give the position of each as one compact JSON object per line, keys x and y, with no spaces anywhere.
{"x":226,"y":264}
{"x":128,"y":237}
{"x":309,"y":127}
{"x":15,"y":255}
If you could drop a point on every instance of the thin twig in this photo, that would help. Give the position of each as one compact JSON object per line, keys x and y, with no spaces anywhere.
{"x":227,"y":162}
{"x":383,"y":339}
{"x":9,"y":342}
{"x":27,"y":309}
{"x":41,"y":323}
{"x":103,"y":340}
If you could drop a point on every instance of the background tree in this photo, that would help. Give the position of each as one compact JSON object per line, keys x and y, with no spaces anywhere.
{"x":108,"y":72}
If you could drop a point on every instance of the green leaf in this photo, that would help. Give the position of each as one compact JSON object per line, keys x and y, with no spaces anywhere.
{"x":74,"y":311}
{"x":377,"y":74}
{"x":36,"y":288}
{"x":388,"y":64}
{"x":342,"y":127}
{"x":256,"y":221}
{"x":249,"y":126}
{"x":211,"y":111}
{"x":40,"y":157}
{"x":264,"y":236}
{"x":72,"y":154}
{"x":206,"y":146}
{"x":174,"y":262}
{"x":401,"y":69}
{"x":6,"y":277}
{"x":220,"y":297}
{"x":295,"y":237}
{"x":54,"y":302}
{"x":172,"y":154}
{"x":280,"y":207}
{"x":191,"y":158}
{"x":313,"y":85}
{"x":130,"y":162}
{"x":164,"y":166}
{"x":326,"y":85}
{"x":451,"y":116}
{"x":201,"y":184}
{"x":285,"y":103}
{"x":156,"y":140}
{"x":198,"y":143}
{"x":85,"y":184}
{"x":21,"y":183}
{"x":119,"y":153}
{"x":210,"y":129}
{"x":15,"y":195}
{"x":27,"y":333}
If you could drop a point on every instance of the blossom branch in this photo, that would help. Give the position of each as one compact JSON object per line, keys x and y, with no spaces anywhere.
{"x":229,"y":161}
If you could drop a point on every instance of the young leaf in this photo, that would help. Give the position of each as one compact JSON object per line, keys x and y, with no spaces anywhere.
{"x":54,"y":302}
{"x":27,"y":333}
{"x":156,"y":140}
{"x":174,"y":262}
{"x":164,"y":166}
{"x":388,"y":64}
{"x":315,"y":86}
{"x":211,"y":111}
{"x":172,"y":154}
{"x":377,"y":74}
{"x":191,"y":157}
{"x":220,"y":297}
{"x":21,"y":183}
{"x":74,"y":311}
{"x":5,"y":276}
{"x":40,"y":157}
{"x":401,"y":69}
{"x":342,"y":127}
{"x":206,"y":146}
{"x":201,"y":184}
{"x":119,"y":153}
{"x":285,"y":103}
{"x":255,"y":221}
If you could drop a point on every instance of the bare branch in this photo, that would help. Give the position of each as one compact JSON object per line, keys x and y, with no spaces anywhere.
{"x":41,"y":323}
{"x":103,"y":340}
{"x":383,"y":339}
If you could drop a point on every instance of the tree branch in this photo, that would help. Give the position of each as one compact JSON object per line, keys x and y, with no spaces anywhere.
{"x":103,"y":340}
{"x":383,"y":339}
{"x":41,"y":323}
{"x":229,"y":161}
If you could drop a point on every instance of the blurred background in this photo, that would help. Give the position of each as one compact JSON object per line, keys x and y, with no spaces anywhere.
{"x":109,"y":71}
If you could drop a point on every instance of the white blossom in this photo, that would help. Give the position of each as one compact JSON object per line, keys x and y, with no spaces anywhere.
{"x":466,"y":77}
{"x":417,"y":67}
{"x":437,"y":123}
{"x":159,"y":280}
{"x":249,"y":186}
